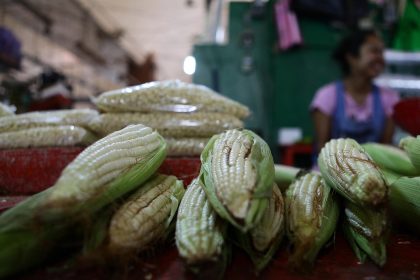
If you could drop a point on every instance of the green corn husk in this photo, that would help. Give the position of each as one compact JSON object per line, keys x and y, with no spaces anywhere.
{"x":262,"y":241}
{"x":367,"y":231}
{"x":404,"y":201}
{"x":311,"y":216}
{"x":201,"y":234}
{"x":391,"y":158}
{"x":284,"y":175}
{"x":238,"y":173}
{"x":34,"y":229}
{"x":349,"y":170}
{"x":412,"y":146}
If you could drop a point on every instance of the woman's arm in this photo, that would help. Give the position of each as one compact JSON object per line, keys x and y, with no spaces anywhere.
{"x":322,"y":123}
{"x":388,"y":131}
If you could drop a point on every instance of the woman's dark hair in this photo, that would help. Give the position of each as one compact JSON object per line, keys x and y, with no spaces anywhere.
{"x":351,"y":44}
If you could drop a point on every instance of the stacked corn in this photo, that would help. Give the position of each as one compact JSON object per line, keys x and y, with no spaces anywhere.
{"x":236,"y":188}
{"x":47,"y":128}
{"x":371,"y":178}
{"x":187,"y":115}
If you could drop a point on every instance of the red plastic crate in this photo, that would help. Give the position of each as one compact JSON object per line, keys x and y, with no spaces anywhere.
{"x":29,"y":171}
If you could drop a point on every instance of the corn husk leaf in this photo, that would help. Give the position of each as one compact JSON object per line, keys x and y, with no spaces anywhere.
{"x":404,"y":201}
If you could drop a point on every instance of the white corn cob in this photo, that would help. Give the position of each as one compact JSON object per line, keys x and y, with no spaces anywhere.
{"x":77,"y":117}
{"x":348,"y":169}
{"x":178,"y":125}
{"x":185,"y":146}
{"x":6,"y":110}
{"x":238,"y":174}
{"x":233,"y":174}
{"x":311,"y":216}
{"x":271,"y":225}
{"x":105,"y":160}
{"x":145,"y":218}
{"x":49,"y":136}
{"x":199,"y":231}
{"x":169,"y":96}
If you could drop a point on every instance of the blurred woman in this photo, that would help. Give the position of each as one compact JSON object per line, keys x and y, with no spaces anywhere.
{"x":354,"y":106}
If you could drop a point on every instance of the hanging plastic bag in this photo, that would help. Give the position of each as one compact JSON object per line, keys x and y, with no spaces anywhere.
{"x":287,"y":26}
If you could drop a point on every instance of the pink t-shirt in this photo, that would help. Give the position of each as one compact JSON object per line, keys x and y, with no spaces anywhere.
{"x":325,"y":101}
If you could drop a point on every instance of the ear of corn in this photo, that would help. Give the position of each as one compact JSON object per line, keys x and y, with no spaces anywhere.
{"x":147,"y":215}
{"x":311,"y":216}
{"x":368,"y":230}
{"x":84,"y":187}
{"x":412,"y":146}
{"x":262,"y":241}
{"x":404,"y":198}
{"x":49,"y":136}
{"x":77,"y":117}
{"x":391,"y":158}
{"x":168,"y":96}
{"x":200,"y":124}
{"x":238,"y":175}
{"x":200,"y":233}
{"x":348,"y":233}
{"x":348,"y":169}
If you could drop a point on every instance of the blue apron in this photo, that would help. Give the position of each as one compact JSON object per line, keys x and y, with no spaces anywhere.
{"x":370,"y":130}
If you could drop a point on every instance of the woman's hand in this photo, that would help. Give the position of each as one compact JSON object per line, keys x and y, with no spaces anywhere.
{"x":322,"y":123}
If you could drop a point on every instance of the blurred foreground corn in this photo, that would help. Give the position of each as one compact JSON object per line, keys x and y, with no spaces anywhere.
{"x":412,"y":146}
{"x":111,"y":167}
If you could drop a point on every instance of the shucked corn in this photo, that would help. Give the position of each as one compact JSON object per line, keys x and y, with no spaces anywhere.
{"x":169,"y":96}
{"x":48,"y":136}
{"x":77,"y":117}
{"x":199,"y":124}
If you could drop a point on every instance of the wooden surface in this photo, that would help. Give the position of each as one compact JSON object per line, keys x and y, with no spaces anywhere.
{"x":335,"y":262}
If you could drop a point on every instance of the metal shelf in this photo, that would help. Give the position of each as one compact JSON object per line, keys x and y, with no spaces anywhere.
{"x":400,"y":57}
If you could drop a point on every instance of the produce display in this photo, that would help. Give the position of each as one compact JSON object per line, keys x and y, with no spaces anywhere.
{"x":113,"y":207}
{"x":108,"y":201}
